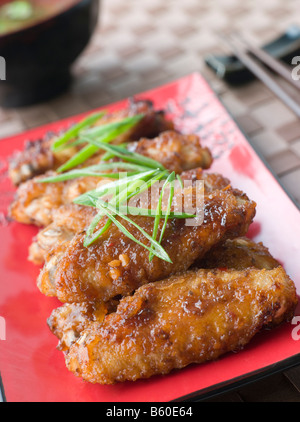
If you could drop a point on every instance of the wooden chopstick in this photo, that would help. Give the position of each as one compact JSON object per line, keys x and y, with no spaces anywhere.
{"x":278,"y":67}
{"x":241,"y":52}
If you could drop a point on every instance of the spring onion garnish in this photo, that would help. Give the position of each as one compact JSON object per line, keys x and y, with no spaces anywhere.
{"x":125,"y":155}
{"x":74,"y":131}
{"x":121,"y":191}
{"x":101,"y":135}
{"x":108,"y":155}
{"x":112,"y":199}
{"x":110,"y":212}
{"x":146,"y":212}
{"x":98,"y":170}
{"x":169,"y":181}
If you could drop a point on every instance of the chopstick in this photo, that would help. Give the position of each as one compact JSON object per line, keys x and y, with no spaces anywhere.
{"x":241,"y":51}
{"x":278,"y":67}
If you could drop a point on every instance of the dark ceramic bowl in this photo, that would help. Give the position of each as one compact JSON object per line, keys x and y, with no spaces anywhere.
{"x":38,"y":58}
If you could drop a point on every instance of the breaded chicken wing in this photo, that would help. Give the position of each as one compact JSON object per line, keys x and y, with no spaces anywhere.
{"x":38,"y":157}
{"x":70,"y":219}
{"x":36,"y":201}
{"x":238,"y":254}
{"x":175,"y":151}
{"x":190,"y":318}
{"x":70,"y":320}
{"x":116,"y":265}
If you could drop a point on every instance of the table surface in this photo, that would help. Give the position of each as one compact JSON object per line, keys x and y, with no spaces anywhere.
{"x":139,"y":45}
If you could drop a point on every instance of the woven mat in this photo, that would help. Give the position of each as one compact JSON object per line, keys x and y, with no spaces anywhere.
{"x":141,"y":44}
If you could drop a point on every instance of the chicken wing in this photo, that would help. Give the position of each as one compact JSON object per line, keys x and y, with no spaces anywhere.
{"x":70,"y":320}
{"x":116,"y":265}
{"x":175,"y":151}
{"x":238,"y":254}
{"x":68,"y":220}
{"x":35,"y":202}
{"x":190,"y":318}
{"x":38,"y":157}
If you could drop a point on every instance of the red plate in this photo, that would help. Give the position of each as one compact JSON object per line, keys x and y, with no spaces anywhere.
{"x":32,"y":369}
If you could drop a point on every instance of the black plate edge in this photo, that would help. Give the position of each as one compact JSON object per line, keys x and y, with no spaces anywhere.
{"x":2,"y":393}
{"x":239,"y":382}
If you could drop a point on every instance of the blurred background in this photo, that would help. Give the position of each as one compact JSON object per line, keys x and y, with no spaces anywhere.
{"x":137,"y":45}
{"x":131,"y":46}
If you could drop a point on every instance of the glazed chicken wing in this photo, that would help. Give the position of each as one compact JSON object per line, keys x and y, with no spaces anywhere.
{"x":35,"y":202}
{"x":70,"y":219}
{"x":116,"y":265}
{"x":38,"y":157}
{"x":70,"y":320}
{"x":238,"y":254}
{"x":175,"y":151}
{"x":124,"y":316}
{"x":190,"y":318}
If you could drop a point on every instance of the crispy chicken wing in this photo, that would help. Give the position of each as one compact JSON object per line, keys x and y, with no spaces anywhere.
{"x":190,"y":318}
{"x":37,"y":157}
{"x":238,"y":254}
{"x":175,"y":151}
{"x":70,"y":219}
{"x":116,"y":265}
{"x":35,"y":202}
{"x":70,"y":320}
{"x":126,"y":317}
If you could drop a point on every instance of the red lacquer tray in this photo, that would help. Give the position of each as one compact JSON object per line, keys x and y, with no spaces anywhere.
{"x":31,"y":367}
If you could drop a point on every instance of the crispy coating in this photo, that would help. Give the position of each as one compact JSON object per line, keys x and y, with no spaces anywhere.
{"x":190,"y":318}
{"x":35,"y":202}
{"x":238,"y":254}
{"x":125,"y":317}
{"x":70,"y":320}
{"x":70,"y":219}
{"x":175,"y":151}
{"x":116,"y":265}
{"x":37,"y":157}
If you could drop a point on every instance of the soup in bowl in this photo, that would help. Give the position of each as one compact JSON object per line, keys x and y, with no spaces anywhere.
{"x":19,"y":14}
{"x":39,"y":41}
